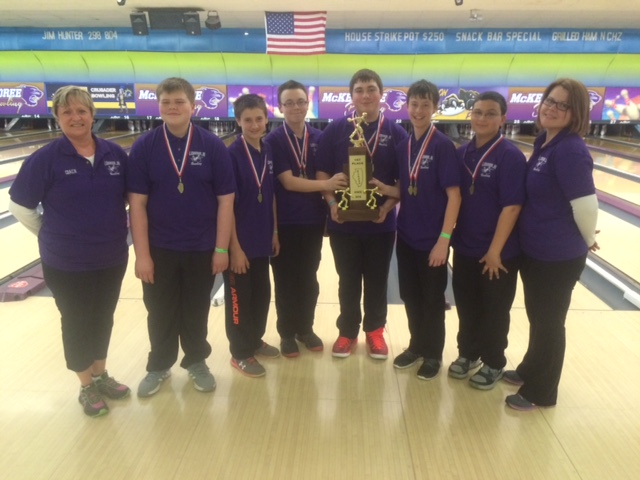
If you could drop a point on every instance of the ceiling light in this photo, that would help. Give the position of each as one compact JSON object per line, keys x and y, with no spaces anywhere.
{"x":475,"y":16}
{"x":213,"y":21}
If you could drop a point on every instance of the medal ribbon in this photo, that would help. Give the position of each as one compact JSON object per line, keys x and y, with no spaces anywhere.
{"x":375,"y":137}
{"x":179,"y":171}
{"x":476,"y":170}
{"x":253,"y":167}
{"x":414,"y":170}
{"x":300,"y":155}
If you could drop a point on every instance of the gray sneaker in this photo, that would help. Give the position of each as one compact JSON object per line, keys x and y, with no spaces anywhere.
{"x":203,"y":380}
{"x":268,"y":351}
{"x":486,"y":378}
{"x":249,"y":367}
{"x":460,"y":368}
{"x":151,"y":383}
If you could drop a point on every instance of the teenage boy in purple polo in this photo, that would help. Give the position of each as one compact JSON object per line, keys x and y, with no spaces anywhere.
{"x":429,"y":195}
{"x":301,"y":219}
{"x":254,"y":239}
{"x":362,"y":250}
{"x":486,"y":255}
{"x":181,"y":190}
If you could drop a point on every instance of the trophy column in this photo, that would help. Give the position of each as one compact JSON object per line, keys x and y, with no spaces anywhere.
{"x":358,"y":202}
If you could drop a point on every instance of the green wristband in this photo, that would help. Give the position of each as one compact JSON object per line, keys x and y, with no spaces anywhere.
{"x":221,"y":250}
{"x":332,"y":203}
{"x":445,"y":235}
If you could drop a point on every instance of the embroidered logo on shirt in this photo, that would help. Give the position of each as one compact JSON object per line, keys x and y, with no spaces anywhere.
{"x":384,"y":140}
{"x":542,"y":161}
{"x":71,"y":171}
{"x":425,"y":162}
{"x":486,"y":169}
{"x":113,"y":166}
{"x":195,"y":158}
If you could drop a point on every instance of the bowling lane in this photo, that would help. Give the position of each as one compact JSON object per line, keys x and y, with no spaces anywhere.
{"x":629,"y":146}
{"x":19,"y":152}
{"x":616,"y":162}
{"x":18,"y":247}
{"x":8,"y":141}
{"x":607,"y":182}
{"x":611,"y":160}
{"x":9,"y":167}
{"x":620,"y":187}
{"x":619,"y":242}
{"x":26,"y":150}
{"x":4,"y":198}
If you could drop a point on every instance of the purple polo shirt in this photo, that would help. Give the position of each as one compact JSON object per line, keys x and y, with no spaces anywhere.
{"x":421,"y":216}
{"x":254,"y":219}
{"x":333,"y":154}
{"x":499,"y":183}
{"x":181,"y":221}
{"x":295,"y":208}
{"x":84,"y":226}
{"x":556,"y":174}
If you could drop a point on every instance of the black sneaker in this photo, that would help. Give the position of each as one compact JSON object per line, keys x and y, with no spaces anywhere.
{"x":110,"y":387}
{"x":312,"y":341}
{"x":512,"y":377}
{"x":92,"y":402}
{"x":289,"y":347}
{"x":406,"y":359}
{"x":430,"y":369}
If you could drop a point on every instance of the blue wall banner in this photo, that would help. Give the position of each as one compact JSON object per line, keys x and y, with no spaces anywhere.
{"x":374,"y":42}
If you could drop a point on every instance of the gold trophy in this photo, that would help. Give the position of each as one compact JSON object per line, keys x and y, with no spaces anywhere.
{"x":358,"y":202}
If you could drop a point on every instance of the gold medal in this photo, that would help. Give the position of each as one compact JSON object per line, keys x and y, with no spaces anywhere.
{"x":183,"y":165}
{"x":472,"y":189}
{"x":260,"y":197}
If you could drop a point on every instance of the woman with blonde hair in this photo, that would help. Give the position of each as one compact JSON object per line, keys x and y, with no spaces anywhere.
{"x":79,"y":179}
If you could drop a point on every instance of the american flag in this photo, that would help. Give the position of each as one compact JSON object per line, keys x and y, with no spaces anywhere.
{"x":291,"y":33}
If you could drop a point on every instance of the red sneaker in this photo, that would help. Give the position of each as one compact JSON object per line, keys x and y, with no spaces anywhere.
{"x":344,"y":346}
{"x":376,"y":344}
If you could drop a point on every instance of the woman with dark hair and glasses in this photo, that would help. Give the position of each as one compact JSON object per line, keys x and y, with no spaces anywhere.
{"x":557,"y":229}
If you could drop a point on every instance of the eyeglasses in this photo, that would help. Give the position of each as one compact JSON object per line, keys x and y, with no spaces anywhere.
{"x":488,"y":115}
{"x":561,"y":106}
{"x":299,"y":103}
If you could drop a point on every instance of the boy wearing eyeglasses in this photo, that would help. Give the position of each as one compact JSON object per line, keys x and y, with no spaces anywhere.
{"x":486,"y":250}
{"x":301,"y":215}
